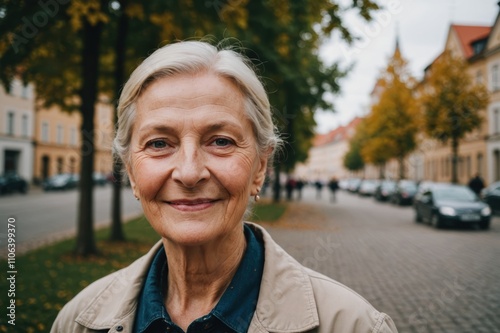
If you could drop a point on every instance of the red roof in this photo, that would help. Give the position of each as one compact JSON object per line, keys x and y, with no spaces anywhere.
{"x":469,"y":33}
{"x":340,"y":133}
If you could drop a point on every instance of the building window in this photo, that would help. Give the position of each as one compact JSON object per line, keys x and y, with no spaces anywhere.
{"x":25,"y":91}
{"x":480,"y":164}
{"x":10,"y":123}
{"x":495,"y":78}
{"x":45,"y":132}
{"x":496,"y":121}
{"x":60,"y":132}
{"x":469,"y":167}
{"x":25,"y":125}
{"x":72,"y":136}
{"x":479,"y":77}
{"x":60,"y":164}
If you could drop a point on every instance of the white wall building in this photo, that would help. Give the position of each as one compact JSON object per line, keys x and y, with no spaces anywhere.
{"x":17,"y":117}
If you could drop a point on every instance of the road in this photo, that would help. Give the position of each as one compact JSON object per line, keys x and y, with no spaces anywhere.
{"x":427,"y":280}
{"x":42,"y":217}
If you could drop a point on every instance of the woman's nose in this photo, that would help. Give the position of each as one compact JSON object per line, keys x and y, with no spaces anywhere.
{"x":190,"y":167}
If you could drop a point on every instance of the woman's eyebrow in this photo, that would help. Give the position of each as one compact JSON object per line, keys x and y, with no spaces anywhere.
{"x":154,"y":128}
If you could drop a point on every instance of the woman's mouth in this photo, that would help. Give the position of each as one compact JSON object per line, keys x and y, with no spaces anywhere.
{"x":192,"y":205}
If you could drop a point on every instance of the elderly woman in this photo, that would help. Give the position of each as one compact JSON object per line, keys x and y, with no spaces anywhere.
{"x":195,"y":134}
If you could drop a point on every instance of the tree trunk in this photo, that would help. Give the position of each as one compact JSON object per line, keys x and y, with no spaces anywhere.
{"x":120,"y":46}
{"x":401,"y":162}
{"x":85,"y":242}
{"x":381,"y":171}
{"x":454,"y":160}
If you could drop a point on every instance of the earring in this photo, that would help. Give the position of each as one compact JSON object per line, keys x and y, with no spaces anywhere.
{"x":137,"y":198}
{"x":257,"y":196}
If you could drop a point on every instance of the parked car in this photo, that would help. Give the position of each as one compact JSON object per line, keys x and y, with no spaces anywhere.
{"x":445,"y":204}
{"x":99,"y":178}
{"x":384,"y":190}
{"x":491,"y":195}
{"x":404,"y":192}
{"x":12,"y":182}
{"x":62,"y":181}
{"x":354,"y":184}
{"x":367,"y":187}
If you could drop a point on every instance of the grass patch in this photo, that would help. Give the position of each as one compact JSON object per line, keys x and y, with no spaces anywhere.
{"x":49,"y":277}
{"x":267,"y":211}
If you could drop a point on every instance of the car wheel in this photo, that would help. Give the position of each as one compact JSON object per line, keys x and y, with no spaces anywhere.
{"x":436,"y":222}
{"x":484,"y":225}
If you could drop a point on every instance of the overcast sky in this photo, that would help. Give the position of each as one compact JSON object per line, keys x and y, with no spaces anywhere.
{"x":423,"y":27}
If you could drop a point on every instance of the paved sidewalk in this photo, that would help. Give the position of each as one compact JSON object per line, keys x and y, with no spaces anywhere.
{"x":427,"y":280}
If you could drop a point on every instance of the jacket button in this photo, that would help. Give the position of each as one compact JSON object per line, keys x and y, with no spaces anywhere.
{"x":119,"y":328}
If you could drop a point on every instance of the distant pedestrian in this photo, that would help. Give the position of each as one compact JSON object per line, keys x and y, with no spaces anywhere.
{"x":333,"y":185}
{"x":319,"y":188}
{"x":299,"y":185}
{"x":289,"y":187}
{"x":476,"y":184}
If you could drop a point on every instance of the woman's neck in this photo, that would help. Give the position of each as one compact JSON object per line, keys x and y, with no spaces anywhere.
{"x":198,"y":276}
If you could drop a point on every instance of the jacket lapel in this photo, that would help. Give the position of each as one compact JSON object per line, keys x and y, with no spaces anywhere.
{"x":117,"y":303}
{"x":286,"y":300}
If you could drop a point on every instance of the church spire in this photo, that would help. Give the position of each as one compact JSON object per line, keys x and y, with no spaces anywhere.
{"x":396,"y":49}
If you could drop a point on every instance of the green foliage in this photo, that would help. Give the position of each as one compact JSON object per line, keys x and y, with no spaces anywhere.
{"x":353,"y":160}
{"x":49,"y":277}
{"x":267,"y":212}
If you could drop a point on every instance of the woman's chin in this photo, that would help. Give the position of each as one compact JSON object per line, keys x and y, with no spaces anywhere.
{"x":191,"y":233}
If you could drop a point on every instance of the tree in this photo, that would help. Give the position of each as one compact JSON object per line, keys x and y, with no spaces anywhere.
{"x":353,"y":159}
{"x":451,"y":103}
{"x":296,"y":76}
{"x":57,"y":47}
{"x":392,"y":125}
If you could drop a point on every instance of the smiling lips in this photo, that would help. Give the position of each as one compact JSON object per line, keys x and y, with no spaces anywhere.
{"x":186,"y":205}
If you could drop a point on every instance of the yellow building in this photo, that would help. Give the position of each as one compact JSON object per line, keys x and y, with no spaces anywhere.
{"x":468,"y":43}
{"x":58,"y":141}
{"x":489,"y":74}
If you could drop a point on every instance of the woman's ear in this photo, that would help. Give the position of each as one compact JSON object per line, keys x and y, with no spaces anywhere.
{"x":260,"y":174}
{"x":131,"y":179}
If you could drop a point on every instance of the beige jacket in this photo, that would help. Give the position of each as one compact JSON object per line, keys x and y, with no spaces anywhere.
{"x":292,"y":299}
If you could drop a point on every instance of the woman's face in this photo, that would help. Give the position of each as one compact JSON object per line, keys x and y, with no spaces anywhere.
{"x":194,"y":162}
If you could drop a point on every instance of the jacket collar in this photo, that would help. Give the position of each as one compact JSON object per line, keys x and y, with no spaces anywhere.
{"x":286,"y":300}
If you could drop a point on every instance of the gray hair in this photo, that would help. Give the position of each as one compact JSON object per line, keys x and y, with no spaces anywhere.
{"x":191,"y":57}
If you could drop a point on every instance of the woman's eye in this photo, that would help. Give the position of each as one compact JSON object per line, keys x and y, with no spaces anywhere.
{"x":157,"y":144}
{"x":222,"y":142}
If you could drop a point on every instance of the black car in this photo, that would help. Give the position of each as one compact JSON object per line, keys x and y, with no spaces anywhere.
{"x":12,"y":182}
{"x":491,"y":195}
{"x":404,"y":193}
{"x":61,"y":182}
{"x":443,"y":205}
{"x":384,"y":190}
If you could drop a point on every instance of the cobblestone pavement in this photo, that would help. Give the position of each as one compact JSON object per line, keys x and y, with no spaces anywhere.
{"x":427,"y":280}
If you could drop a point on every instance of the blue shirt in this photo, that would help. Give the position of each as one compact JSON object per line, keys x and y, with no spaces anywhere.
{"x":233,"y":312}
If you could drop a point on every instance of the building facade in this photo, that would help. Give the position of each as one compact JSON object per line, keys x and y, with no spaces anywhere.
{"x":17,"y":117}
{"x":326,"y":157}
{"x":489,"y":56}
{"x":472,"y":155}
{"x":58,"y":138}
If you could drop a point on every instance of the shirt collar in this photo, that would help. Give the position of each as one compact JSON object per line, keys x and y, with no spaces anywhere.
{"x":237,"y":305}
